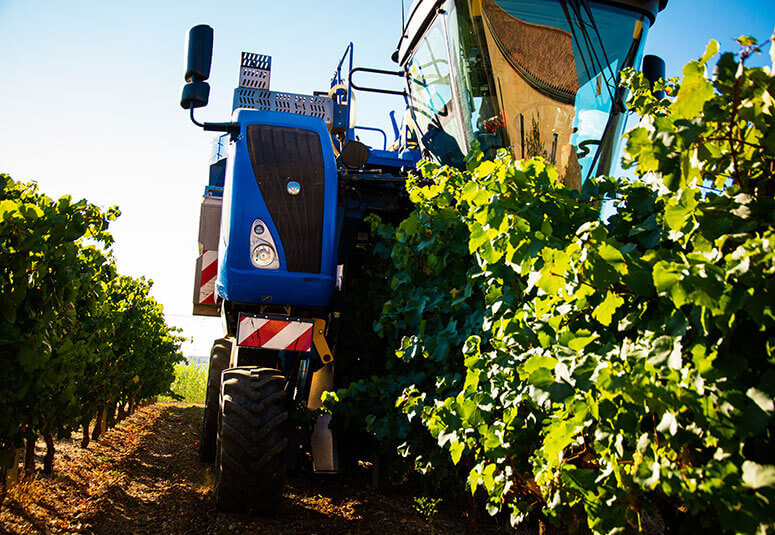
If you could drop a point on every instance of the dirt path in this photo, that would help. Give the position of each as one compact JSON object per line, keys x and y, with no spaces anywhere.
{"x":144,"y":477}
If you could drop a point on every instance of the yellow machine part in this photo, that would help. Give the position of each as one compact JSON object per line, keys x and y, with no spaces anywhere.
{"x":323,"y":379}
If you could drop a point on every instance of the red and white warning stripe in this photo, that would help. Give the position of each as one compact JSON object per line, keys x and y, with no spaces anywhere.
{"x":207,"y":277}
{"x":275,"y":334}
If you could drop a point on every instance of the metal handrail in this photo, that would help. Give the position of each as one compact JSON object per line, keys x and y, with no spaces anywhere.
{"x":400,"y":74}
{"x":373,"y":129}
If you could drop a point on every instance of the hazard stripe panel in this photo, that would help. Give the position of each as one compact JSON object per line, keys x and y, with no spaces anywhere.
{"x":269,"y":333}
{"x":207,"y":278}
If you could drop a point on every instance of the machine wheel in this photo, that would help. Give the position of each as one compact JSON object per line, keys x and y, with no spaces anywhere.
{"x":252,"y":439}
{"x":219,"y":361}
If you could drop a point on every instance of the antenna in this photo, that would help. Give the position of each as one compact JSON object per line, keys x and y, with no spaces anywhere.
{"x":403,"y":22}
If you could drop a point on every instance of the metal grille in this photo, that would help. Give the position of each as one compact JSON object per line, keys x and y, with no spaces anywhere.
{"x":279,"y":155}
{"x":255,"y":71}
{"x":321,"y":107}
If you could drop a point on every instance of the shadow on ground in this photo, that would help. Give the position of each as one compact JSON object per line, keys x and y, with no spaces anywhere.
{"x":145,"y":477}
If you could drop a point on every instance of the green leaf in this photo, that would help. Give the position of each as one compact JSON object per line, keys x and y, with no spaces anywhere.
{"x":641,"y":148}
{"x":411,"y":225}
{"x":711,"y":50}
{"x":605,"y":310}
{"x":485,"y":168}
{"x":695,"y":91}
{"x":746,"y":40}
{"x":487,"y":476}
{"x":8,"y":207}
{"x":580,"y":342}
{"x":31,"y":212}
{"x":550,"y":282}
{"x":478,"y":238}
{"x":610,"y":254}
{"x":665,"y":350}
{"x":668,"y":278}
{"x":560,"y":436}
{"x":537,"y":362}
{"x":675,"y":216}
{"x":553,"y":272}
{"x":489,"y":253}
{"x":456,"y":451}
{"x":473,"y":480}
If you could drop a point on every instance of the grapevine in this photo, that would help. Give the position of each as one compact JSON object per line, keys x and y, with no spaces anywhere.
{"x":76,"y":337}
{"x":602,"y":375}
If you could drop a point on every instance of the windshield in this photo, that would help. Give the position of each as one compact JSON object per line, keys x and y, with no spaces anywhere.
{"x":434,"y":109}
{"x":538,"y":76}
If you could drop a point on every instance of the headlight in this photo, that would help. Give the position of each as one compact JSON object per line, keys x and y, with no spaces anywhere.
{"x":263,"y":255}
{"x":263,"y":252}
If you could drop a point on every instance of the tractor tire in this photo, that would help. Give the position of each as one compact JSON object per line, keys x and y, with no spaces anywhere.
{"x":252,"y":440}
{"x":219,"y":361}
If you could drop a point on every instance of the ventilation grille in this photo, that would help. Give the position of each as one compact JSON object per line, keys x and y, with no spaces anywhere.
{"x":255,"y":71}
{"x":279,"y":155}
{"x":321,"y":107}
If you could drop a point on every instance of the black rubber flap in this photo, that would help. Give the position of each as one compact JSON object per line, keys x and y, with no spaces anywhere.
{"x":281,"y":155}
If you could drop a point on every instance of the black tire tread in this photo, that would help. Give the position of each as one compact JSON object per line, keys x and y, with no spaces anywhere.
{"x":219,"y":361}
{"x":250,"y":469}
{"x":254,"y":393}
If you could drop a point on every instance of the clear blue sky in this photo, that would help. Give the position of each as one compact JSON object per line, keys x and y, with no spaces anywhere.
{"x":89,"y":100}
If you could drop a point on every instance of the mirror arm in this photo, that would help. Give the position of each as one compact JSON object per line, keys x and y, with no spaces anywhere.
{"x":231,"y":128}
{"x":200,"y":125}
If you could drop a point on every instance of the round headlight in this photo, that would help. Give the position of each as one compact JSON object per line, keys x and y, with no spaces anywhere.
{"x":263,"y":255}
{"x":258,"y":228}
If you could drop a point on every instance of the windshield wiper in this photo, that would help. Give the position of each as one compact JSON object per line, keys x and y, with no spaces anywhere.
{"x":587,"y":42}
{"x":615,"y":92}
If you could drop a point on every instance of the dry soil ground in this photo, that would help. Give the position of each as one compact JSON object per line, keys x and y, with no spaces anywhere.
{"x":144,"y":477}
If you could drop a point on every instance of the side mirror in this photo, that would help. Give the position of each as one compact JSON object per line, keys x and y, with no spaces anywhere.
{"x":194,"y":95}
{"x":654,"y":69}
{"x":199,"y":55}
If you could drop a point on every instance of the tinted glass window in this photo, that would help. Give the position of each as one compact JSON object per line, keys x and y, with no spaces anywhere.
{"x":540,"y":77}
{"x":434,"y":110}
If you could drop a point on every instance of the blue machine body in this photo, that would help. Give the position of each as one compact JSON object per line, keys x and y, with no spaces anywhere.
{"x":233,"y":176}
{"x":238,"y":279}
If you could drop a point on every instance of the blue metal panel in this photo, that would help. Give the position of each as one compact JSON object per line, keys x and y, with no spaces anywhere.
{"x":213,"y":191}
{"x":387,"y":158}
{"x":238,"y":280}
